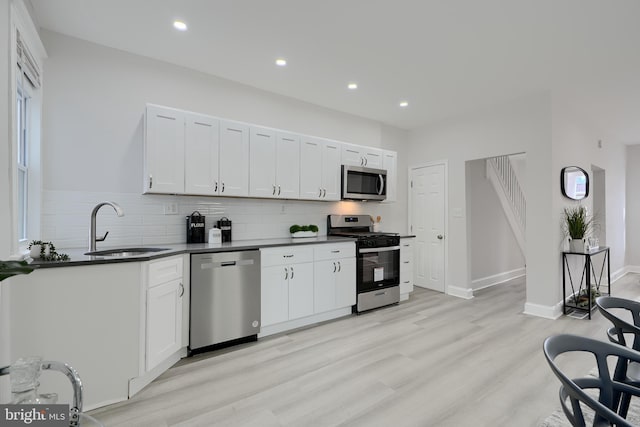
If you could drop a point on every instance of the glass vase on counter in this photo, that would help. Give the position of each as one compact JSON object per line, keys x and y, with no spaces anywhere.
{"x":24,"y":374}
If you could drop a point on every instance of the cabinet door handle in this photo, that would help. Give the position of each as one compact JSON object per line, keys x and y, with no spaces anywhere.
{"x":406,"y":262}
{"x":181,"y":290}
{"x":278,"y":190}
{"x":150,"y":181}
{"x":287,"y":256}
{"x":361,"y":161}
{"x":334,"y":266}
{"x":324,"y":192}
{"x":273,"y":193}
{"x":320,"y":194}
{"x":215,"y":190}
{"x":366,"y":161}
{"x":292,"y":272}
{"x":339,"y":267}
{"x":335,"y":252}
{"x":223,"y":186}
{"x":286,"y":273}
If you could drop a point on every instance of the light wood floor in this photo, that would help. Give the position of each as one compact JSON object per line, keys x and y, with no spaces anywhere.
{"x":434,"y":360}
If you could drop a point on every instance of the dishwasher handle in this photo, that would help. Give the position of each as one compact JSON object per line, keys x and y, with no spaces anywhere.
{"x":238,"y":263}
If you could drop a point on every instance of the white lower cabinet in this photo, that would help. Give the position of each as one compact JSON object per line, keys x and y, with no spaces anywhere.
{"x":165,"y":291}
{"x":335,"y":276}
{"x":300,"y":290}
{"x":335,"y":284}
{"x":306,"y":284}
{"x":286,"y":284}
{"x":164,"y":322}
{"x":406,"y":265}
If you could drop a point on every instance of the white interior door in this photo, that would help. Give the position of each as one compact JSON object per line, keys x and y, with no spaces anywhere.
{"x":427,"y":221}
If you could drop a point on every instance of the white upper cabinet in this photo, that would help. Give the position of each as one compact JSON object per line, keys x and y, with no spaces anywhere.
{"x":288,"y":166}
{"x":190,"y":153}
{"x":262,"y":162}
{"x":311,"y":168}
{"x":356,"y":155}
{"x":390,"y":164}
{"x":202,"y":145}
{"x":274,"y":164}
{"x":164,"y":150}
{"x":331,"y":170}
{"x":234,"y":159}
{"x":319,"y":169}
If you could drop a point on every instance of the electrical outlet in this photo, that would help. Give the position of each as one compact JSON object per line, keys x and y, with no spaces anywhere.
{"x":171,"y":208}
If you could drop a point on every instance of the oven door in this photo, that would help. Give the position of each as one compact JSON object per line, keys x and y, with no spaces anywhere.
{"x":378,"y":268}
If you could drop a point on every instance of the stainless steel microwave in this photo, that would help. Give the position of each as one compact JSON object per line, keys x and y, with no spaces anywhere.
{"x":360,"y":183}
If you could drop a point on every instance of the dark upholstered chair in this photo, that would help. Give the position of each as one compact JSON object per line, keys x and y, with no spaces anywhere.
{"x":573,"y":395}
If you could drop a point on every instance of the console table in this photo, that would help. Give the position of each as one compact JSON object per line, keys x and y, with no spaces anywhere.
{"x":582,"y":298}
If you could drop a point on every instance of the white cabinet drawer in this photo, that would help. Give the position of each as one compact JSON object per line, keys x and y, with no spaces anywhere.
{"x":334,"y":251}
{"x":165,"y":270}
{"x":286,"y":255}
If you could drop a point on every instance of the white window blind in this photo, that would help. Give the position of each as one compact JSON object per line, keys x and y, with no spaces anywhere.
{"x":26,"y":62}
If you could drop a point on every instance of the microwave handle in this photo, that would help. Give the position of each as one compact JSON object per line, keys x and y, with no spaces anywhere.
{"x":380,"y":185}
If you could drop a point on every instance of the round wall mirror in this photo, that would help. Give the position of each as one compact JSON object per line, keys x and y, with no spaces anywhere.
{"x":574,"y":183}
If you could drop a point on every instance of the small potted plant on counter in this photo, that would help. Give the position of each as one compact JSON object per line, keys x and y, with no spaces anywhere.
{"x":303,"y":230}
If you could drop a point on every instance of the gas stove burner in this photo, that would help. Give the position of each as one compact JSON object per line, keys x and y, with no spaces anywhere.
{"x":359,"y":227}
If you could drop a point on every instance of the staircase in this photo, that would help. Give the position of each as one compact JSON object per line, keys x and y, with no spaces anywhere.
{"x":504,"y":180}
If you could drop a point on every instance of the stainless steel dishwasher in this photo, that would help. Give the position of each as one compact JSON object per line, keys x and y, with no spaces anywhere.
{"x":225,"y":299}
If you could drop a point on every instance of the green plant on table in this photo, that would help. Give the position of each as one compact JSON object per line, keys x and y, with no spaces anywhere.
{"x":577,"y":224}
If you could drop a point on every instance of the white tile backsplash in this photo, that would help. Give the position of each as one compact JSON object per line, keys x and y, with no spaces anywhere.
{"x":66,"y":217}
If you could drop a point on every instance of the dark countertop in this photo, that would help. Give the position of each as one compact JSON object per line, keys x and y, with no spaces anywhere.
{"x":77,"y":256}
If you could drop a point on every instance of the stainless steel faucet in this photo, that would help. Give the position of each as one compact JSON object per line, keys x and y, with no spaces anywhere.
{"x":92,"y":238}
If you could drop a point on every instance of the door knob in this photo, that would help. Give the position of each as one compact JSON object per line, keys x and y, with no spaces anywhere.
{"x":440,"y":237}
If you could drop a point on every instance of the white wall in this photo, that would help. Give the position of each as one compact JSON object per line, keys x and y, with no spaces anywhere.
{"x":5,"y":187}
{"x":494,"y":249}
{"x":94,"y":100}
{"x":633,"y":206}
{"x":575,"y":143}
{"x":522,"y":126}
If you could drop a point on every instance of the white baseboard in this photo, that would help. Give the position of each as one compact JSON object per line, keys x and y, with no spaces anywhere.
{"x":305,"y":321}
{"x":616,"y":275}
{"x":464,"y":293}
{"x":496,"y":279}
{"x":545,"y":311}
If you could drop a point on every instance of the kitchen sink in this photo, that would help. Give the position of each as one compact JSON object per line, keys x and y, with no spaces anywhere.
{"x":125,"y":252}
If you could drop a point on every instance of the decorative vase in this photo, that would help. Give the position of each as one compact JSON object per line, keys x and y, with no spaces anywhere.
{"x":576,"y":245}
{"x":34,"y":252}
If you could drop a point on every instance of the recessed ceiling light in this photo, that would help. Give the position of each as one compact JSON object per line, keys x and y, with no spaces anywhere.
{"x":179,"y":25}
{"x":353,"y":86}
{"x":281,"y":62}
{"x":404,"y":104}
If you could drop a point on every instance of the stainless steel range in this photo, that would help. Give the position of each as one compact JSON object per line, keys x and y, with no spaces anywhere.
{"x":378,"y":260}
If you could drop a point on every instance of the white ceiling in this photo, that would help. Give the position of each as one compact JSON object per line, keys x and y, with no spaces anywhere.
{"x":446,"y":57}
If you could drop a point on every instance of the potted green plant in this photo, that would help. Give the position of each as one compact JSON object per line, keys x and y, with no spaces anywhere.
{"x":577,"y":224}
{"x":303,"y":230}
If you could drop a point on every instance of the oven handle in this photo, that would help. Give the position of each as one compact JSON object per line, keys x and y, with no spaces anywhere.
{"x":386,"y":249}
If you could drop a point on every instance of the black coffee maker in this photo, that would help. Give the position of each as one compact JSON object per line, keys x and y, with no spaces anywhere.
{"x":195,"y":228}
{"x":224,"y":224}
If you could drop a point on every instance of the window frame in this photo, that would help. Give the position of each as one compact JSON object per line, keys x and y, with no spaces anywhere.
{"x":21,"y":22}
